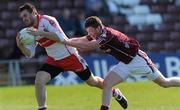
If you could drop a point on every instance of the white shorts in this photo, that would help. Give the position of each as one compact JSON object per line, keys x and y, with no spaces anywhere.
{"x":140,"y":65}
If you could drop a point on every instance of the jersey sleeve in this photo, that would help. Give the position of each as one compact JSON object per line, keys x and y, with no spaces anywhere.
{"x":32,"y":49}
{"x":53,"y":26}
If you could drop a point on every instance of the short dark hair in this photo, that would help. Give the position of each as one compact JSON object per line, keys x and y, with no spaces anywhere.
{"x":93,"y":21}
{"x":29,"y":7}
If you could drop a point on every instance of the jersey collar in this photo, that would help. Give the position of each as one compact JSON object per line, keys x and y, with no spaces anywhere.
{"x":103,"y":34}
{"x":38,"y":19}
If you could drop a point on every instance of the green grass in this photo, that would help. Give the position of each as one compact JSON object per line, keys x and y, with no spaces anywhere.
{"x":141,"y":96}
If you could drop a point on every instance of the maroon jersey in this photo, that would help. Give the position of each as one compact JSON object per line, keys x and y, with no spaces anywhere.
{"x":122,"y":47}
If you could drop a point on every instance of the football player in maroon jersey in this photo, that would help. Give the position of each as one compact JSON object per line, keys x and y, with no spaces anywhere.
{"x":126,"y":50}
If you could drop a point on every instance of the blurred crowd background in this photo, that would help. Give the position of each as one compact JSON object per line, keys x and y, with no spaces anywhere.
{"x":155,"y":23}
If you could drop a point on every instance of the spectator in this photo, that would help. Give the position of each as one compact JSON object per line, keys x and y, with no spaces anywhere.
{"x":80,"y":17}
{"x":96,"y":7}
{"x":112,"y":6}
{"x":67,"y":23}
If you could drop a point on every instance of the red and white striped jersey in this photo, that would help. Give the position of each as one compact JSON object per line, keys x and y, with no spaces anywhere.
{"x":55,"y":50}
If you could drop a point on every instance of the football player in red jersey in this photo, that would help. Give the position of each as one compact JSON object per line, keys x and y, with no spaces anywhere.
{"x":60,"y":57}
{"x":132,"y":60}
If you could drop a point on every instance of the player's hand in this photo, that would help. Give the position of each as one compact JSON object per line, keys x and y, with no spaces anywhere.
{"x":33,"y":32}
{"x":19,"y":40}
{"x":108,"y":50}
{"x":66,"y":41}
{"x":105,"y":49}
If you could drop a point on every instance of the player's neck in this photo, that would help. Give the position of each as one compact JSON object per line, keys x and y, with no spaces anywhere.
{"x":35,"y":22}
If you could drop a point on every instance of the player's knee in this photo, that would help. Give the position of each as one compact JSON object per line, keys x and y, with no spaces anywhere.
{"x":92,"y":84}
{"x":164,"y":84}
{"x":40,"y":79}
{"x":95,"y":81}
{"x":38,"y":82}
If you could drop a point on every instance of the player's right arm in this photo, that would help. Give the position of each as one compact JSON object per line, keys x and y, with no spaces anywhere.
{"x":27,"y":50}
{"x":82,"y":43}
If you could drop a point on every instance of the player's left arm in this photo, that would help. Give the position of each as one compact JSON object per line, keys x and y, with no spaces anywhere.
{"x":54,"y":31}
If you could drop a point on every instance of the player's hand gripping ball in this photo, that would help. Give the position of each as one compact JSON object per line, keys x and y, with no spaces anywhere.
{"x":27,"y":39}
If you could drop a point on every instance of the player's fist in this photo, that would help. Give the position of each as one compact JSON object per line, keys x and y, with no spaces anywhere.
{"x":19,"y":40}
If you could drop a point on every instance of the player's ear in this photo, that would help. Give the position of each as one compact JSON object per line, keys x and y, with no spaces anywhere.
{"x":99,"y":28}
{"x":33,"y":14}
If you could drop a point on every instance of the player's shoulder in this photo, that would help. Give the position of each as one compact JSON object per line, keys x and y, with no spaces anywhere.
{"x":47,"y":18}
{"x":113,"y":31}
{"x":110,"y":29}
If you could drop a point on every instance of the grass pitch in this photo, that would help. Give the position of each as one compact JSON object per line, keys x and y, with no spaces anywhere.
{"x":141,"y":96}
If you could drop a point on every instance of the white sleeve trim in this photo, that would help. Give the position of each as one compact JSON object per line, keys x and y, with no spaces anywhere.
{"x":60,"y":36}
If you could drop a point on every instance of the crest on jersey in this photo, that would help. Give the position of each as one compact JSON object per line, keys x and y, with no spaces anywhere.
{"x":103,"y":35}
{"x":53,"y":23}
{"x":126,"y":45}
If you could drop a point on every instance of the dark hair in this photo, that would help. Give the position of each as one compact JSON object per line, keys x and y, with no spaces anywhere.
{"x":29,"y":7}
{"x":93,"y":21}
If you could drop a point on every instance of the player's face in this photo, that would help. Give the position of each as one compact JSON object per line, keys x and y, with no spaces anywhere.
{"x":27,"y":18}
{"x":93,"y":32}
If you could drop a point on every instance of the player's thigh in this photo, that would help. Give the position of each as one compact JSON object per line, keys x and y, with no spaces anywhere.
{"x":47,"y":72}
{"x":120,"y":70}
{"x":85,"y":74}
{"x":117,"y":74}
{"x":142,"y":65}
{"x":112,"y":79}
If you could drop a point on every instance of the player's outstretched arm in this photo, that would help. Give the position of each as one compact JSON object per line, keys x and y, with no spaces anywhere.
{"x":81,"y":43}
